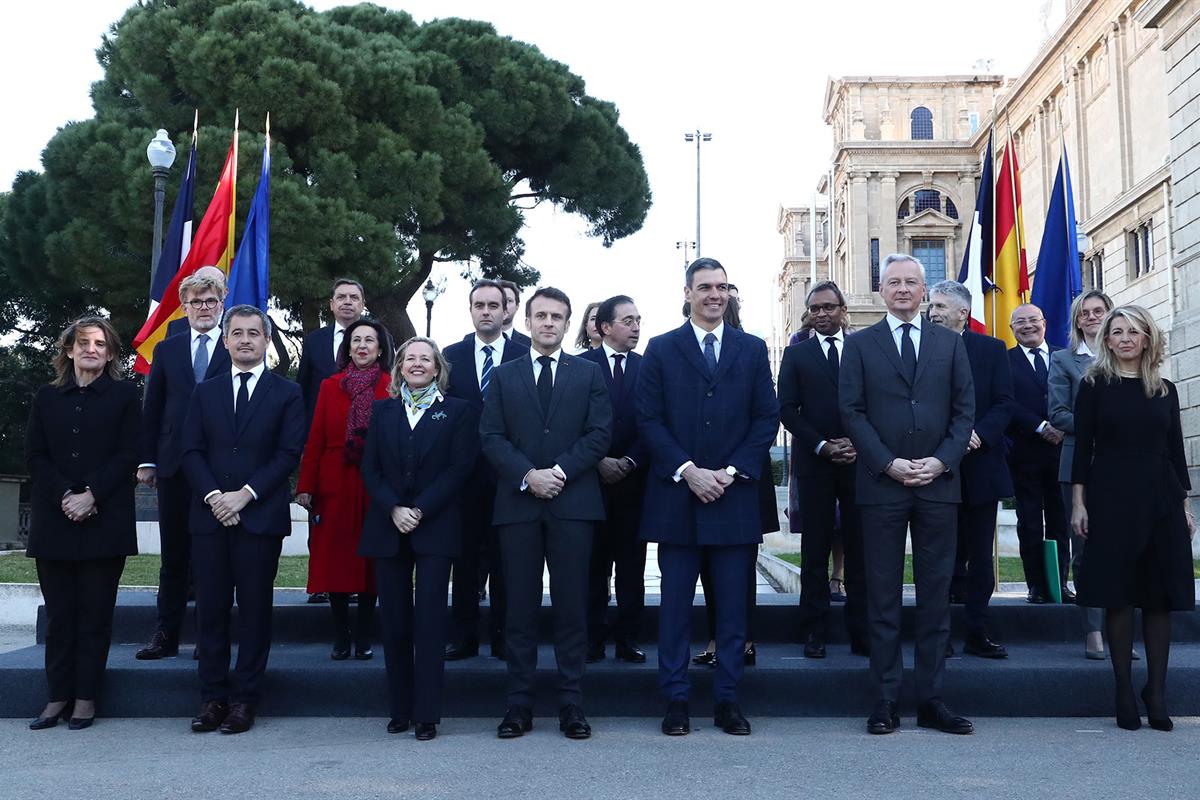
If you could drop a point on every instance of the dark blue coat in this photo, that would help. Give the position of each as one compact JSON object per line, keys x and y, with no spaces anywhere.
{"x":625,"y":438}
{"x":726,"y":419}
{"x":316,"y":364}
{"x":423,"y":468}
{"x":985,"y":475}
{"x":464,"y":383}
{"x":262,"y":453}
{"x":1030,"y":409}
{"x":169,"y":388}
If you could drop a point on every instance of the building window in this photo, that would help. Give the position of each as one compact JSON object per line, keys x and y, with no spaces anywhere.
{"x":874,"y":265}
{"x":974,"y":119}
{"x":1093,"y":272}
{"x":932,"y":254}
{"x":904,"y":212}
{"x":951,"y":209}
{"x":922,"y":123}
{"x":1139,"y":247}
{"x":927,"y":198}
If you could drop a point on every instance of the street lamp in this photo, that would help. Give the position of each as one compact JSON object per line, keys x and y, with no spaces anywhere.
{"x":431,"y":293}
{"x":161,"y":154}
{"x":684,"y":247}
{"x":697,"y":137}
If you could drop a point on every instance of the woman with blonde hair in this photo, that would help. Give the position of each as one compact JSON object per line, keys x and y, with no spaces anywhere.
{"x":1129,"y":501}
{"x":588,"y":337}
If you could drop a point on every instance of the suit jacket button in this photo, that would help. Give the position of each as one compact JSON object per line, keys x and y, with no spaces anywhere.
{"x":74,"y":430}
{"x":708,"y":423}
{"x":545,"y":430}
{"x":914,"y":402}
{"x":79,"y":408}
{"x":235,"y":449}
{"x":710,"y":394}
{"x":74,"y":455}
{"x":910,"y":431}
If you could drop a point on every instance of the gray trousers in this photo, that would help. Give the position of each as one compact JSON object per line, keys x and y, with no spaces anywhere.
{"x":1093,"y":618}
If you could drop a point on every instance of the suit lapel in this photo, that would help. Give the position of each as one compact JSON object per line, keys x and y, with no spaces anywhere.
{"x":218,"y":360}
{"x":817,"y":354}
{"x":883,"y":337}
{"x":426,"y":430}
{"x":565,"y":372}
{"x":525,"y":377}
{"x":261,"y":390}
{"x":686,"y":339}
{"x":226,"y":383}
{"x":929,"y":341}
{"x":732,"y":345}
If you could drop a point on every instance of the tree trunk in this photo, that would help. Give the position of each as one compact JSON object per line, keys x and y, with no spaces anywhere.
{"x":393,"y":307}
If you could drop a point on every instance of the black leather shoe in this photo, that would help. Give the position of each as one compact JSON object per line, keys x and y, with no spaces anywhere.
{"x":240,"y":718}
{"x":1156,"y":715}
{"x":630,"y":653}
{"x":884,"y":718}
{"x":517,"y":721}
{"x":341,"y":647}
{"x":42,"y":723}
{"x":573,"y":723}
{"x":958,"y":597}
{"x":397,"y":725}
{"x":595,"y":652}
{"x":934,"y":714}
{"x":980,"y":645}
{"x":159,"y":646}
{"x":195,"y":652}
{"x":211,"y":715}
{"x":750,"y":656}
{"x":814,"y":646}
{"x":79,"y":723}
{"x":318,"y":597}
{"x":426,"y":731}
{"x":1067,"y":595}
{"x":705,"y":659}
{"x":457,"y":651}
{"x":1036,"y":597}
{"x":860,"y":647}
{"x":363,"y":652}
{"x":728,"y":717}
{"x":676,"y":722}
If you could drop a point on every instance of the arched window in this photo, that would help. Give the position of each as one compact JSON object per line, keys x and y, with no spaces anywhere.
{"x":903,"y":213}
{"x":951,"y":209}
{"x":922,"y":123}
{"x":927,"y":198}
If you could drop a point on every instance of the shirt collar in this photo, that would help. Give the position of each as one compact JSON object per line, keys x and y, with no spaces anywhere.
{"x":101,"y":383}
{"x":211,"y":334}
{"x":840,"y":336}
{"x":555,"y":356}
{"x":895,"y":322}
{"x":256,"y":372}
{"x":1041,"y":348}
{"x":497,"y":344}
{"x":718,"y":332}
{"x":1084,"y":350}
{"x":609,"y":352}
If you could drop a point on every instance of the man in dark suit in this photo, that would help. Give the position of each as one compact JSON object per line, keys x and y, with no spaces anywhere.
{"x":242,"y":438}
{"x":823,"y":463}
{"x":623,"y":475}
{"x":182,"y":324}
{"x":908,"y":406}
{"x":318,"y":355}
{"x":707,"y":414}
{"x":545,"y":426}
{"x":180,"y":364}
{"x":471,"y":364}
{"x":512,"y":299}
{"x":1034,"y":457}
{"x":984,"y":473}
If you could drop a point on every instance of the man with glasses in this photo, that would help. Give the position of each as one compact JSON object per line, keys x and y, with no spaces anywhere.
{"x":180,"y":363}
{"x":1034,"y":456}
{"x":823,"y":461}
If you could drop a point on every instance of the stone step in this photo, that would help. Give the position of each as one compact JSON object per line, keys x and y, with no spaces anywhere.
{"x":1038,"y":679}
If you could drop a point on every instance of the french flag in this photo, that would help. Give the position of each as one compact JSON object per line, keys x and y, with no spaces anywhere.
{"x":976,"y":271}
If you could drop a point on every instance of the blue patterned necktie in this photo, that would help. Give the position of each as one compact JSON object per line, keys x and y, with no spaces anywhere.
{"x":710,"y":352}
{"x":486,"y":377}
{"x":200,"y":362}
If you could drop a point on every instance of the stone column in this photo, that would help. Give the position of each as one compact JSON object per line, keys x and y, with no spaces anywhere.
{"x":859,"y":234}
{"x":887,"y":213}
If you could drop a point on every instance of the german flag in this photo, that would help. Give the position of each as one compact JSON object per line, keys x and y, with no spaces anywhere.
{"x":212,"y":246}
{"x":1010,"y":279}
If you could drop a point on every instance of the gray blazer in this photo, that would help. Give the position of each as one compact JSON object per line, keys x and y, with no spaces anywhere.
{"x":516,"y":438}
{"x":1062,"y":385}
{"x":888,"y":418}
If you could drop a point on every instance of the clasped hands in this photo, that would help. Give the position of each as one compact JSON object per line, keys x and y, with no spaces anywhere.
{"x":406,"y":519}
{"x":78,"y":507}
{"x":706,"y":484}
{"x":227,"y":506}
{"x":613,"y":470}
{"x":545,"y":484}
{"x":918,"y":472}
{"x":839,"y":451}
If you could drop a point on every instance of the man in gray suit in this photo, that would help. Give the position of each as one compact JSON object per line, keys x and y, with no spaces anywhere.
{"x":908,"y":405}
{"x":546,"y":424}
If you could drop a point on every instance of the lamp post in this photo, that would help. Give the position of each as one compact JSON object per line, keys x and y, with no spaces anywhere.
{"x":697,"y":137}
{"x":431,"y":292}
{"x":161,"y":154}
{"x":684,"y":247}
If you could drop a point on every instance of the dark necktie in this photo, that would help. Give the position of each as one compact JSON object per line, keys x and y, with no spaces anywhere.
{"x":908,"y":352}
{"x":1039,"y":369}
{"x":710,"y":352}
{"x":486,"y":377}
{"x":545,"y":383}
{"x":243,"y":399}
{"x":618,"y":375}
{"x":832,"y":354}
{"x":200,"y":362}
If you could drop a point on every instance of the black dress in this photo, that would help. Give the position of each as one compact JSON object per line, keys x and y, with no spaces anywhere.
{"x":1129,"y":456}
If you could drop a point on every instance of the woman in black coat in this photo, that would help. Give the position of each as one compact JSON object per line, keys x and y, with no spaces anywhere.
{"x":1129,"y":500}
{"x":80,"y":448}
{"x":420,"y":448}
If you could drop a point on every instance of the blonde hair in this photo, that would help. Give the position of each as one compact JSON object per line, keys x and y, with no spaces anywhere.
{"x":1076,"y":336}
{"x":1105,"y":365}
{"x":64,"y":367}
{"x":443,"y":366}
{"x":199,"y":283}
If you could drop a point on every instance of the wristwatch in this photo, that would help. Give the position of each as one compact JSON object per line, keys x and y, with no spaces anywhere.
{"x":731,"y":471}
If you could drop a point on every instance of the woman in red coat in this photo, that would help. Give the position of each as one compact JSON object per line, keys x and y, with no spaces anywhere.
{"x":331,"y":487}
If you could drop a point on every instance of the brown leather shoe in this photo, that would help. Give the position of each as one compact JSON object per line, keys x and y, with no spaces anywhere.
{"x":240,"y":719}
{"x":211,"y":715}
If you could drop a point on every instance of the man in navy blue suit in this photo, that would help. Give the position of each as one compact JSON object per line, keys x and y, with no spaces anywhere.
{"x":318,"y":354}
{"x":623,"y":482}
{"x":471,"y":363}
{"x":984,"y":472}
{"x":1034,"y":457}
{"x":512,"y":305}
{"x":182,"y":324}
{"x":707,"y":414}
{"x":242,"y":438}
{"x":181,"y":362}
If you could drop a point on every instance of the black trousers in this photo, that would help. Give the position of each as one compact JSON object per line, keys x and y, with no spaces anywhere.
{"x":973,"y":560}
{"x":413,"y":642}
{"x":821,"y":495}
{"x":80,"y":597}
{"x":885,"y":527}
{"x":228,"y":561}
{"x":1040,"y":516}
{"x":565,"y":547}
{"x":617,"y":545}
{"x":480,"y":546}
{"x":175,"y":544}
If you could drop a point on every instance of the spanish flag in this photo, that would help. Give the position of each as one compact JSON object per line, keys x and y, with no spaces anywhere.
{"x":1010,"y":278}
{"x":212,"y":247}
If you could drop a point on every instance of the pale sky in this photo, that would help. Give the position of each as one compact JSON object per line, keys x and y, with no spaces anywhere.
{"x":753,"y":74}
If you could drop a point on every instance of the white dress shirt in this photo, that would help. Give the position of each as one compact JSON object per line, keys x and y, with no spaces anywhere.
{"x":897,"y":332}
{"x":1084,"y":350}
{"x":612,"y":362}
{"x":719,"y":333}
{"x":1045,"y":351}
{"x":534,"y":355}
{"x":840,"y":339}
{"x":497,"y":355}
{"x":414,"y":416}
{"x":338,"y":332}
{"x":255,"y":374}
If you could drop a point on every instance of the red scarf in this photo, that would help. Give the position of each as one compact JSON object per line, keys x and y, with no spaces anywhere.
{"x":360,"y":385}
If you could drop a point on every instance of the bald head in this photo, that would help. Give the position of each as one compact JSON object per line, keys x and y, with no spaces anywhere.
{"x":1028,"y":325}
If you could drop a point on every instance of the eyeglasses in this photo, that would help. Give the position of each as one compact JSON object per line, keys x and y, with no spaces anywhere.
{"x":1095,"y":313}
{"x":1026,"y":321}
{"x":208,"y":302}
{"x":823,"y":308}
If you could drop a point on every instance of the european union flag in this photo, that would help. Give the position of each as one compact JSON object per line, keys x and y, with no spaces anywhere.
{"x":1057,"y":281}
{"x":249,"y":277}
